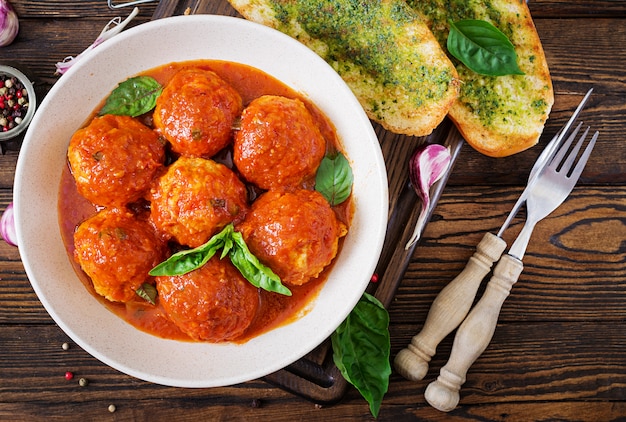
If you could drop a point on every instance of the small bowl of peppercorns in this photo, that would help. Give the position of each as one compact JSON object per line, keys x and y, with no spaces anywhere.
{"x":17,"y":102}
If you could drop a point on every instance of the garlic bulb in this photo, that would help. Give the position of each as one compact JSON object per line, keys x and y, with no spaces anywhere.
{"x":9,"y":24}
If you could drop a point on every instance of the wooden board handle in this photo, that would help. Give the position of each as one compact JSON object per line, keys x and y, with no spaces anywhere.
{"x":473,"y":335}
{"x":448,"y":309}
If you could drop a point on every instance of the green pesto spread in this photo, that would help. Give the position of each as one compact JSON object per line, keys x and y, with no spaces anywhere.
{"x":480,"y":93}
{"x":365,"y":34}
{"x":480,"y":96}
{"x":437,"y":14}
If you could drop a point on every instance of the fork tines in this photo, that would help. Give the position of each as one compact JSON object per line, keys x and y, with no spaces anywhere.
{"x":557,"y":160}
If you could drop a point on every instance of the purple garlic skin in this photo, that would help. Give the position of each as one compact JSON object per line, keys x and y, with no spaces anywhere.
{"x":427,"y":165}
{"x":9,"y":23}
{"x":7,"y":226}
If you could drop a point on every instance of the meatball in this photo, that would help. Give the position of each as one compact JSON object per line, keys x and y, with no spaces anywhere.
{"x":213,"y":303}
{"x":295,"y":233}
{"x":196,"y":111}
{"x":278,"y":143}
{"x":195,"y":198}
{"x":114,"y":159}
{"x":117,"y":250}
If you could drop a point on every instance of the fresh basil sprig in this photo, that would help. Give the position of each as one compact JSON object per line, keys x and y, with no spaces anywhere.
{"x":133,"y":97}
{"x":249,"y":266}
{"x":361,"y":350}
{"x":334,"y":179}
{"x":188,"y":260}
{"x":233,"y":245}
{"x":483,"y":48}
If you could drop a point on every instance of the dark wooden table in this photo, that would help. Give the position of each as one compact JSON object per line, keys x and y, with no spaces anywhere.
{"x":559,"y":351}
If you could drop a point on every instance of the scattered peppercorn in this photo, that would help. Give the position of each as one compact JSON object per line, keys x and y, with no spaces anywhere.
{"x":256,"y":403}
{"x":13,"y":102}
{"x":66,"y":346}
{"x":374,"y":278}
{"x":69,"y":375}
{"x":112,"y":408}
{"x":83,"y":382}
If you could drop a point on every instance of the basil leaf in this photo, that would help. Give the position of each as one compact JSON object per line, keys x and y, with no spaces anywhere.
{"x":482,"y":48}
{"x":147,"y":292}
{"x":133,"y":97}
{"x":334,"y":179}
{"x":233,"y":245}
{"x":188,"y":260}
{"x":252,"y":269}
{"x":361,"y":350}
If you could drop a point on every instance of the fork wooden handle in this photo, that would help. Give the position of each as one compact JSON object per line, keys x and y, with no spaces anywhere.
{"x":448,"y":309}
{"x":474,"y":335}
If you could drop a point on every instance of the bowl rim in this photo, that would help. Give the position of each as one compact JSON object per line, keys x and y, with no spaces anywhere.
{"x":32,"y":102}
{"x":88,"y":334}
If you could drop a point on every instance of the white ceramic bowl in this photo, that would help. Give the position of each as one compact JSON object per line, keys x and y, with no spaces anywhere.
{"x":43,"y":155}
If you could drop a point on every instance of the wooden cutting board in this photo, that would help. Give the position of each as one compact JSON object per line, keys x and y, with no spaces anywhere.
{"x":315,"y":377}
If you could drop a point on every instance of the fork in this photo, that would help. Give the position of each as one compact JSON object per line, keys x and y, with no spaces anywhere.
{"x":552,"y":186}
{"x":453,"y":303}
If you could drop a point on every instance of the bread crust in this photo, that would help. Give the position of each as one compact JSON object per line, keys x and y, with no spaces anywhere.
{"x":498,"y":116}
{"x":504,"y":115}
{"x":387,"y":56}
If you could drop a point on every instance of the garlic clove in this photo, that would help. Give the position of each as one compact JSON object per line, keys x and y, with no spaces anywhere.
{"x":9,"y":23}
{"x":427,"y":165}
{"x":7,"y":226}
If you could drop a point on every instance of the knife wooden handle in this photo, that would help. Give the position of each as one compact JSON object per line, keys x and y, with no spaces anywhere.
{"x":448,"y":309}
{"x":473,"y":335}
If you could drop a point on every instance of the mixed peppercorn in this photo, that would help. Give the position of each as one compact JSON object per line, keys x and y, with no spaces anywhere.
{"x":13,"y":102}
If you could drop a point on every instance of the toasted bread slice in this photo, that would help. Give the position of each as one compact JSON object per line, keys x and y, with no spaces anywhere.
{"x":502,"y":115}
{"x":386,"y":55}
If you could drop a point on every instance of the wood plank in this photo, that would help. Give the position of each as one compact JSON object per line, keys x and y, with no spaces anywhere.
{"x":581,"y":245}
{"x":571,"y":9}
{"x":191,"y":410}
{"x":7,"y":172}
{"x":46,"y":9}
{"x":538,"y":362}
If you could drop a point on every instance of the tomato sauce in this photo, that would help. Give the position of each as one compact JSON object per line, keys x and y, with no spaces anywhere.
{"x":274,"y":309}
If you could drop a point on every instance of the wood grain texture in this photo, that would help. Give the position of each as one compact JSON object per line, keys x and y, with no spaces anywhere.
{"x":558,"y":350}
